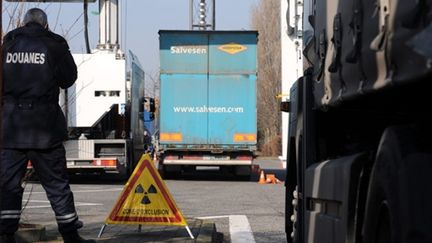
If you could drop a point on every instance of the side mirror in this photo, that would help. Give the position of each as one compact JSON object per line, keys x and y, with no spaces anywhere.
{"x":149,"y":104}
{"x":141,"y":105}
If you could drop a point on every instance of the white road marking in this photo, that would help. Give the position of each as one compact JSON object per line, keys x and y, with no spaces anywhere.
{"x":240,"y":230}
{"x":100,"y":190}
{"x":32,"y":200}
{"x":77,"y":204}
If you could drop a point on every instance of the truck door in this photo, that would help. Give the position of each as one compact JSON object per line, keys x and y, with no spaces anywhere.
{"x":184,"y":65}
{"x":232,"y":88}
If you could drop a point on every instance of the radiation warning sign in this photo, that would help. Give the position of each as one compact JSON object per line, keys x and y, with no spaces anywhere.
{"x":145,"y":199}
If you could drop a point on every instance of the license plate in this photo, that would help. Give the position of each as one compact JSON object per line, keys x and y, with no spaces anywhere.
{"x":208,"y":157}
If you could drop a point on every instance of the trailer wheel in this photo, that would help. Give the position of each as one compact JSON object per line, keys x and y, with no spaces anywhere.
{"x":384,"y":227}
{"x":243,"y":172}
{"x":129,"y":168}
{"x":291,"y":195}
{"x":169,"y":171}
{"x":400,"y":191}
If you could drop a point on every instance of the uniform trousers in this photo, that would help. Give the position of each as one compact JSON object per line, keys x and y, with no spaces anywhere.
{"x":50,"y":167}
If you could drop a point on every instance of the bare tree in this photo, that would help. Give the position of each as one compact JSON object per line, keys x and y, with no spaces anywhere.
{"x":13,"y":13}
{"x":265,"y":19}
{"x":152,"y":84}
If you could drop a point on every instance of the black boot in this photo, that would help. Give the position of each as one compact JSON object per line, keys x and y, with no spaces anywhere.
{"x":7,"y":238}
{"x":74,"y":237}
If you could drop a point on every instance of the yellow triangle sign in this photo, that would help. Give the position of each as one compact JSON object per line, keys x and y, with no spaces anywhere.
{"x":145,"y":199}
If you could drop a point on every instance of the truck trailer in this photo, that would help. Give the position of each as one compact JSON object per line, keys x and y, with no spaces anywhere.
{"x":359,"y":158}
{"x":207,"y":100}
{"x":104,"y":111}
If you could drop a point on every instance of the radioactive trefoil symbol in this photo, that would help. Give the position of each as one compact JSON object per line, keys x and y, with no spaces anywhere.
{"x":151,"y":190}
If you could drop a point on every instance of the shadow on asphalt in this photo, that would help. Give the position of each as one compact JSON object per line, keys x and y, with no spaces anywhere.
{"x":199,"y":175}
{"x":88,"y":179}
{"x":210,"y":175}
{"x":129,"y":233}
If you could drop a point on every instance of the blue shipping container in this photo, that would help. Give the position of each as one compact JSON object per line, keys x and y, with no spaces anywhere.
{"x":208,"y":89}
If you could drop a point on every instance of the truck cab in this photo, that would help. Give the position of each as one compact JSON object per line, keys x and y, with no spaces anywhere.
{"x":358,"y":152}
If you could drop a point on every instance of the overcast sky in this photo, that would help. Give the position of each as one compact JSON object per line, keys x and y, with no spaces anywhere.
{"x":141,"y":21}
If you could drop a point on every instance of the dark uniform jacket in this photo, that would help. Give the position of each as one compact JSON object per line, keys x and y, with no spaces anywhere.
{"x":36,"y":63}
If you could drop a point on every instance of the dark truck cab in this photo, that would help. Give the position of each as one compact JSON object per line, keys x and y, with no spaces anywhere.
{"x":359,"y":148}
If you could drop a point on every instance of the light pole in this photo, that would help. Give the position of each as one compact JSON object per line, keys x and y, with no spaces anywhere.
{"x":205,"y":10}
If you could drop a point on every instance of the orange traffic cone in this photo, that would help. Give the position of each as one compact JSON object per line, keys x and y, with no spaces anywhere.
{"x":271,"y":179}
{"x":262,"y":179}
{"x":278,"y":181}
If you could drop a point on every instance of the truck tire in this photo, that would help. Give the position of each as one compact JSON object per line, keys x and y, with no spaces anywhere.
{"x":169,"y":171}
{"x":243,"y":172}
{"x":291,"y":197}
{"x":398,"y":205}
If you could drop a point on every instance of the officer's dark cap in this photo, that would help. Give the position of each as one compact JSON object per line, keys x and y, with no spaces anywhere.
{"x":35,"y":15}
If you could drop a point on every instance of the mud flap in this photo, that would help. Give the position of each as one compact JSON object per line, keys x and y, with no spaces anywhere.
{"x":332,"y":192}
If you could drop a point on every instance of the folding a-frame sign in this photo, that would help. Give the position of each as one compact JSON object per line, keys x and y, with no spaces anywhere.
{"x":145,"y":200}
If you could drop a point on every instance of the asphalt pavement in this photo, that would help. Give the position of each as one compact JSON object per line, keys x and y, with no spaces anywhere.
{"x":202,"y":231}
